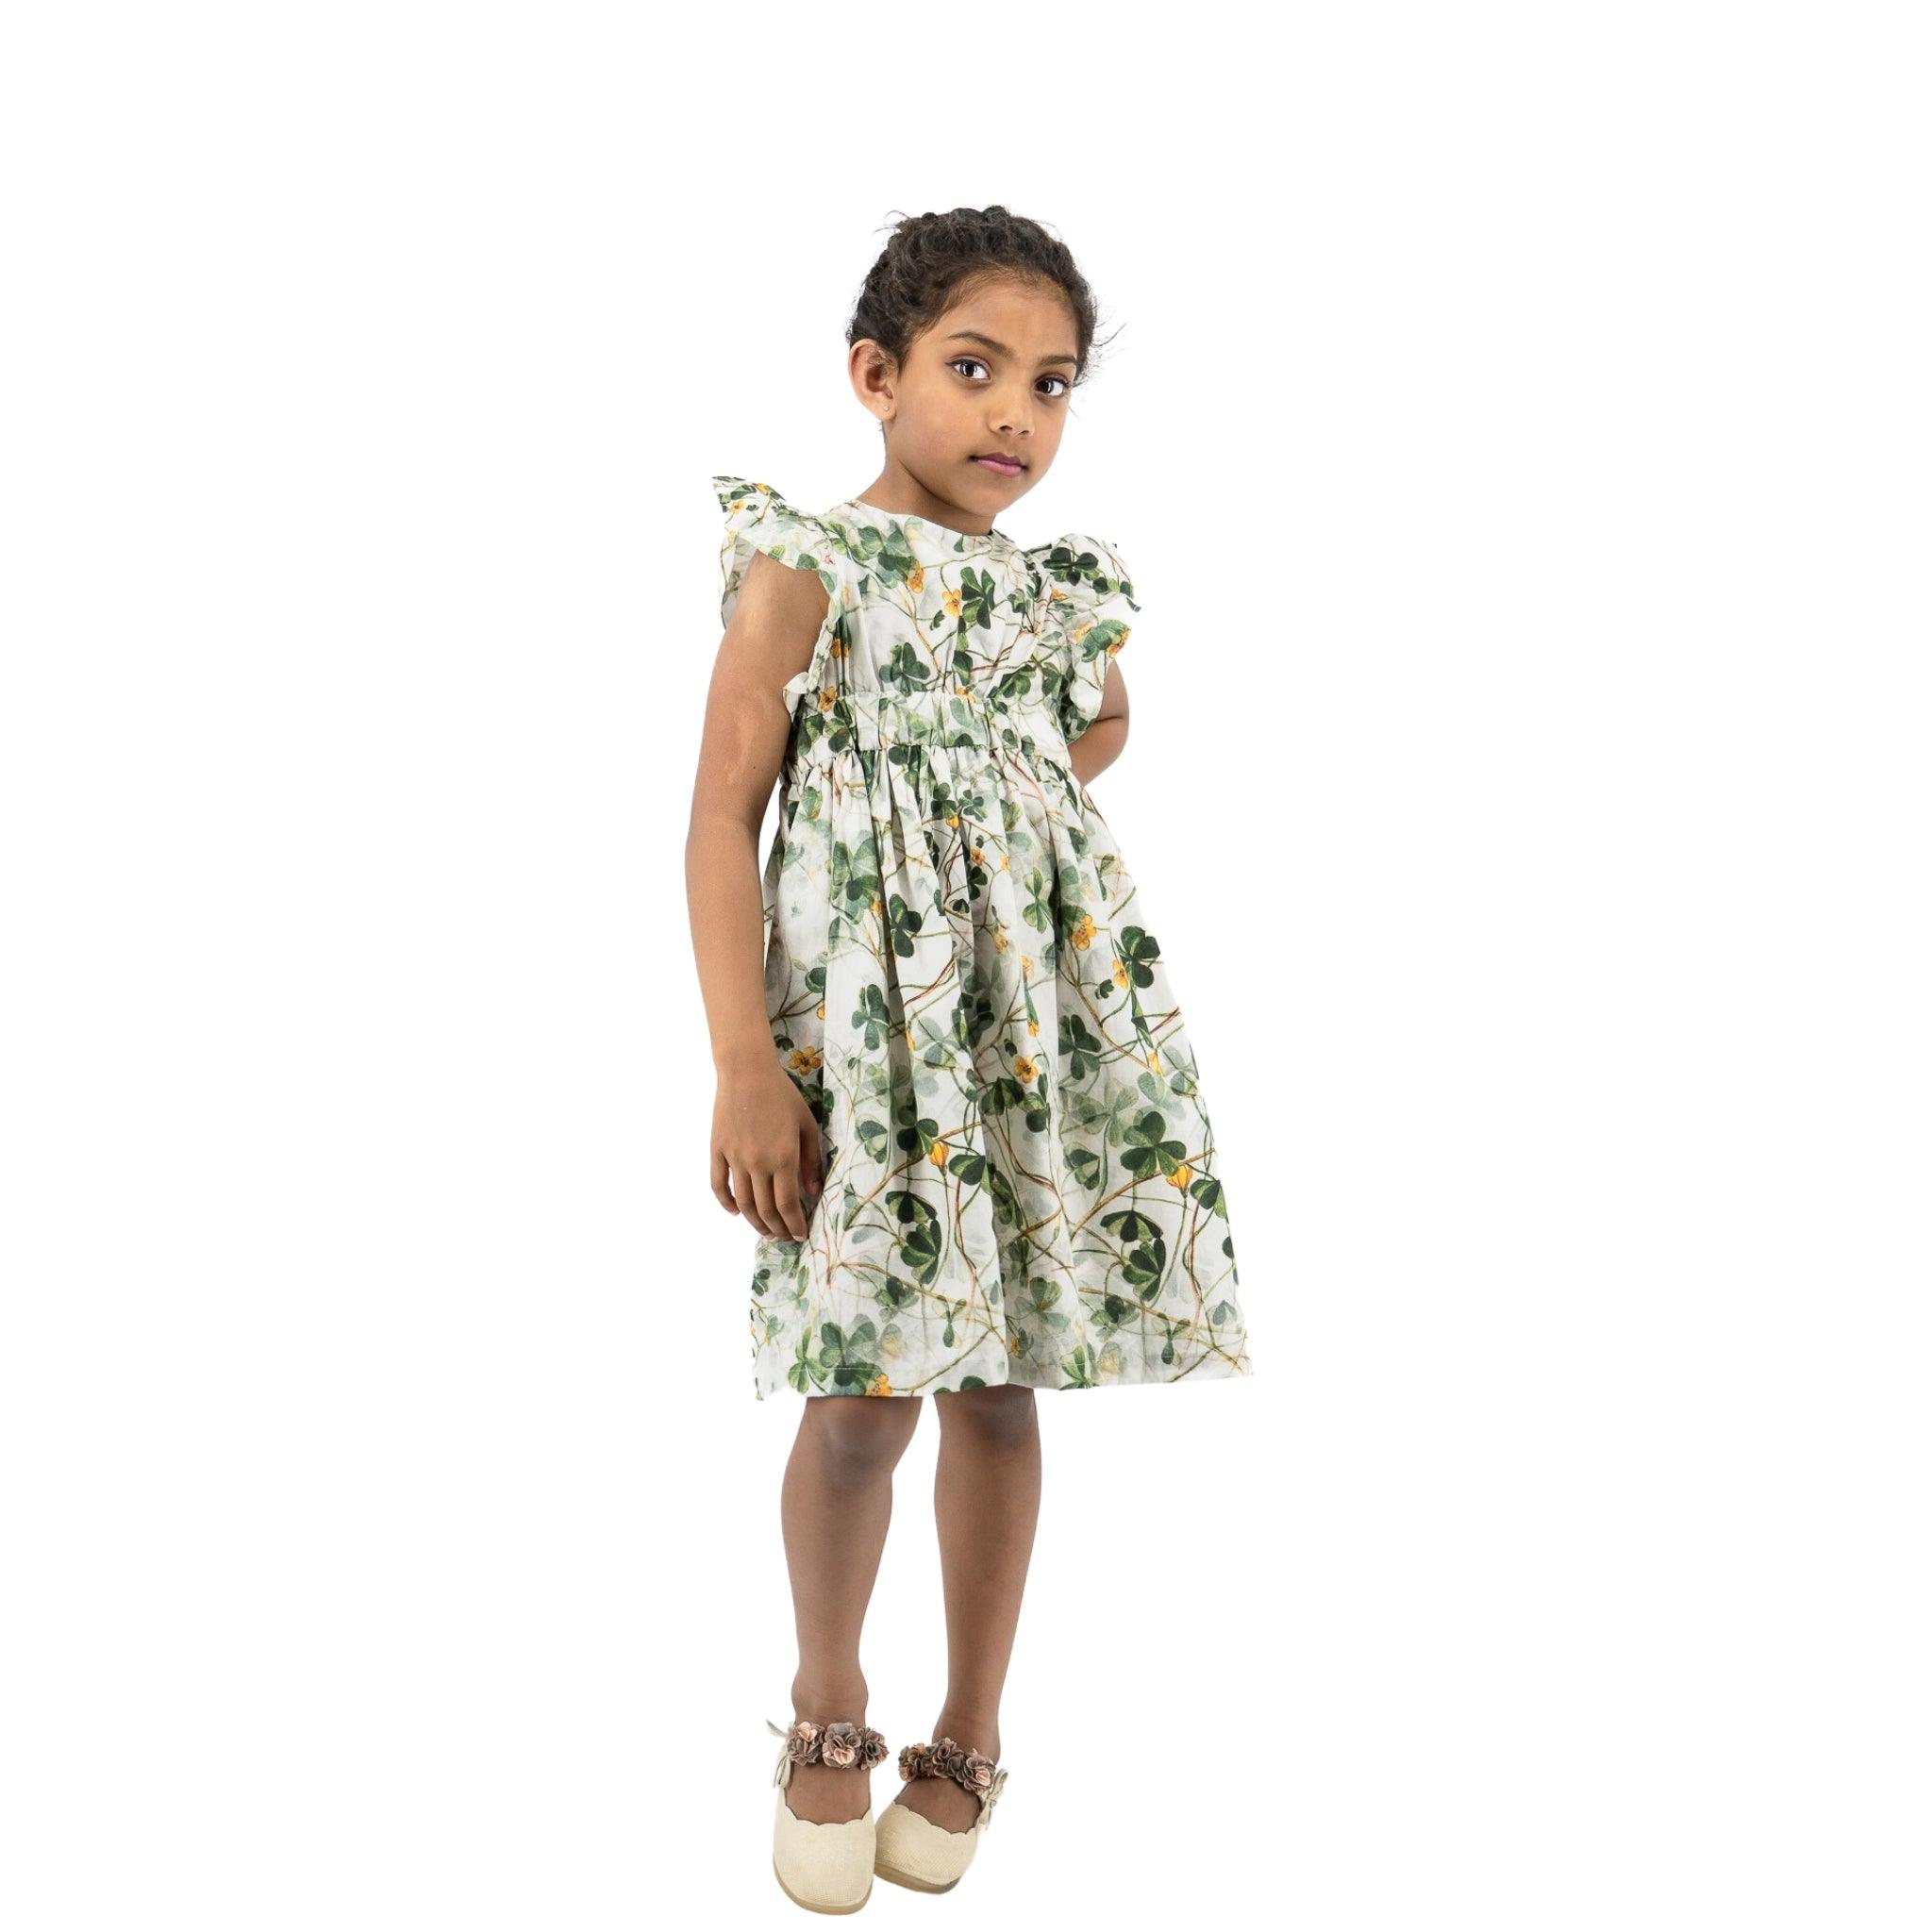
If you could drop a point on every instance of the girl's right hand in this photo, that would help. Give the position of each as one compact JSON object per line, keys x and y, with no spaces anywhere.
{"x":765,"y":1151}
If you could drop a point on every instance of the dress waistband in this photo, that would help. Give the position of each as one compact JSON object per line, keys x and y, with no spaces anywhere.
{"x":873,"y":717}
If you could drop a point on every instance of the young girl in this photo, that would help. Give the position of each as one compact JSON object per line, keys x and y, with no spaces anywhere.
{"x":958,"y":1107}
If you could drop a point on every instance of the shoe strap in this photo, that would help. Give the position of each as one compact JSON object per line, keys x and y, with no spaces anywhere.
{"x":842,"y":1745}
{"x":973,"y":1771}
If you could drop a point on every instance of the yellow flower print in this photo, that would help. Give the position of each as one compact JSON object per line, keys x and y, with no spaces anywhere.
{"x":878,"y":1385}
{"x":1023,"y":1067}
{"x":1113,"y":650}
{"x":1027,"y":964}
{"x":1120,"y":974}
{"x":937,"y":1156}
{"x":877,"y":908}
{"x":840,"y":647}
{"x":805,"y":1059}
{"x":1000,"y":940}
{"x":952,"y":820}
{"x":1153,"y":1059}
{"x":953,"y":603}
{"x":821,"y":1010}
{"x":916,"y":578}
{"x":1083,"y":931}
{"x":1033,"y":1025}
{"x":1181,"y":1175}
{"x":829,"y":698}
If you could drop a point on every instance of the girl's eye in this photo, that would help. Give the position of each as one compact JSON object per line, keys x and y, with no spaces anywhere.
{"x":964,"y":362}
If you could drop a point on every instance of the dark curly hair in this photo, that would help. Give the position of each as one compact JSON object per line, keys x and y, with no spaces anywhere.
{"x":933,"y":259}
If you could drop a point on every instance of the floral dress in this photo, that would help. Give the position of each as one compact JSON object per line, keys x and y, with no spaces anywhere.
{"x":1017,"y":1170}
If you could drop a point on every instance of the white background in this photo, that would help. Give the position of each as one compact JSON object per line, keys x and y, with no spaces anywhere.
{"x":1518,"y":428}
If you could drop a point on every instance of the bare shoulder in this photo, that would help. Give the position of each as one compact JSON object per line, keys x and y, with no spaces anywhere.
{"x":780,"y":594}
{"x":780,"y":613}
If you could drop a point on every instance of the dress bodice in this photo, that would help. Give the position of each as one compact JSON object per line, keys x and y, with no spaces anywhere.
{"x":932,"y":633}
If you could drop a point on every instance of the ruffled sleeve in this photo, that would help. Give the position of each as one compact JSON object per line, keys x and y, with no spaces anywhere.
{"x":757,"y":518}
{"x":1090,"y":596}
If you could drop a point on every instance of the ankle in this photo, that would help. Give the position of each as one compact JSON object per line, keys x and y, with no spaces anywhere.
{"x":829,"y":1701}
{"x":978,"y":1730}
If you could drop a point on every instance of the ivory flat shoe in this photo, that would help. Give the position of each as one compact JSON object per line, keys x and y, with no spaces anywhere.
{"x":912,"y":1850}
{"x":825,"y":1868}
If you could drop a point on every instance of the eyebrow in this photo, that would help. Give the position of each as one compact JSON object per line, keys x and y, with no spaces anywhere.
{"x":972,"y":335}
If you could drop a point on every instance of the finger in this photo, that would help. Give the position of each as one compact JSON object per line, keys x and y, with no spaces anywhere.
{"x":744,"y":1186}
{"x":790,"y":1210}
{"x":812,"y":1177}
{"x":721,"y":1181}
{"x":768,"y":1206}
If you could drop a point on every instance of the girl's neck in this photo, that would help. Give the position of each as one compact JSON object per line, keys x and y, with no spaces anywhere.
{"x":900,"y":494}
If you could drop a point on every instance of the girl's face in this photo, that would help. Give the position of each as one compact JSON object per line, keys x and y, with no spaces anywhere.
{"x":992,"y":377}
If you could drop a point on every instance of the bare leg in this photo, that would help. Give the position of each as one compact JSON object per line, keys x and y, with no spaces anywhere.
{"x":836,"y":1501}
{"x":986,"y":1498}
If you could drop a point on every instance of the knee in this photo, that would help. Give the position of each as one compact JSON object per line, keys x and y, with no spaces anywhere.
{"x":860,"y":1440}
{"x":1004,"y":1415}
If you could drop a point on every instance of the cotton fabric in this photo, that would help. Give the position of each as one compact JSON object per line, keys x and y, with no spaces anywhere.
{"x":963,"y":982}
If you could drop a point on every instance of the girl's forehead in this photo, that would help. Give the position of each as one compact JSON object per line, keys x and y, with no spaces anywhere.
{"x":1040,"y":313}
{"x":1006,"y":296}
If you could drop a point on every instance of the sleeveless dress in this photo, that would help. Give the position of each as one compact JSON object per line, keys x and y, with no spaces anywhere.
{"x":963,"y":983}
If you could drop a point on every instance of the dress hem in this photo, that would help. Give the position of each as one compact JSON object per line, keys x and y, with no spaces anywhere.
{"x":1214,"y":1369}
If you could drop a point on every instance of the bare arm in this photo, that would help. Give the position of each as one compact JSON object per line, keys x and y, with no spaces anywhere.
{"x":1105,"y":739}
{"x":764,"y":1139}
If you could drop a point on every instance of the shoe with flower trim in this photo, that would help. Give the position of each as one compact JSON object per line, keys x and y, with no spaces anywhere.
{"x":825,"y":1868}
{"x":911,"y":1849}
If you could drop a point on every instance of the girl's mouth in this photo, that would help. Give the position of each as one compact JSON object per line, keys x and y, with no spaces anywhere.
{"x":1001,"y":466}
